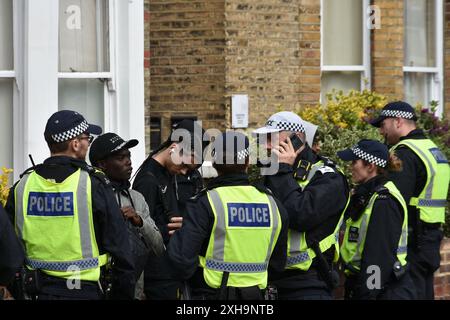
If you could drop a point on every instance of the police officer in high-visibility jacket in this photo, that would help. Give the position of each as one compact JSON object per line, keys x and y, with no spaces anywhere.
{"x":424,"y":183}
{"x":374,"y":249}
{"x":233,"y":232}
{"x":11,"y":254}
{"x":66,"y":215}
{"x":315,"y":194}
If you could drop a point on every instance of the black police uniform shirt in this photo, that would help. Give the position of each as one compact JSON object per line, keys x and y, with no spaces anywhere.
{"x":11,"y":251}
{"x":315,"y":210}
{"x":110,"y":229}
{"x":192,"y":239}
{"x":152,"y":181}
{"x":382,"y":238}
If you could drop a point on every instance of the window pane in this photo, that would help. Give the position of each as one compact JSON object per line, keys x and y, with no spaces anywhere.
{"x":342,"y":32}
{"x":418,"y":87}
{"x":420,"y":33}
{"x":6,"y":35}
{"x":84,"y":96}
{"x":83,"y":36}
{"x":344,"y":81}
{"x":6,"y":120}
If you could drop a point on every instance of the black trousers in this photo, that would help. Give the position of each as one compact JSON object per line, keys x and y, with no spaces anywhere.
{"x":305,"y":294}
{"x":394,"y":289}
{"x":56,"y":289}
{"x":162,"y":289}
{"x":424,"y":261}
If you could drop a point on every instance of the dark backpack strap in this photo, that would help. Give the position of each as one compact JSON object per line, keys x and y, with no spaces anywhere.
{"x":29,"y":170}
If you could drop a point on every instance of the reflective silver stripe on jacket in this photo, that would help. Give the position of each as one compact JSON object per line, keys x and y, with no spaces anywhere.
{"x":362,"y":235}
{"x":83,"y":215}
{"x":63,"y":266}
{"x":219,"y":234}
{"x":236,"y":267}
{"x":19,"y":220}
{"x":274,"y":210}
{"x":429,"y":187}
{"x":217,"y":262}
{"x":297,"y":258}
{"x":432,"y":203}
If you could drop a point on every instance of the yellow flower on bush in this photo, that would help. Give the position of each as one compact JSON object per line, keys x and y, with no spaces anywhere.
{"x":345,"y":110}
{"x":4,"y":185}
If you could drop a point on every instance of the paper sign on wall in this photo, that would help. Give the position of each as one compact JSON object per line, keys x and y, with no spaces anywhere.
{"x":239,"y":111}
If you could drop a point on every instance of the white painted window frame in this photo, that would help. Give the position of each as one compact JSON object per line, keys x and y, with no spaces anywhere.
{"x":13,"y":75}
{"x":365,"y":68}
{"x":36,"y":76}
{"x":109,"y":96}
{"x":437,"y":79}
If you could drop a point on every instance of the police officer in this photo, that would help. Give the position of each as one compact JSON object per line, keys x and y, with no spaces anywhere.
{"x":232,"y":231}
{"x":67,"y":217}
{"x":315,"y":194}
{"x":111,"y":154}
{"x":11,"y":253}
{"x":179,"y":154}
{"x":375,"y":240}
{"x":423,"y":182}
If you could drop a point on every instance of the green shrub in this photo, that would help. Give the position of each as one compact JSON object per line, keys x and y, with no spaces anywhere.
{"x":343,"y":120}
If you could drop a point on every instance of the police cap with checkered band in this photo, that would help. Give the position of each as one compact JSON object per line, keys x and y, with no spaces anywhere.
{"x":282,"y":121}
{"x":370,"y":150}
{"x":396,"y":109}
{"x":66,"y":125}
{"x":231,"y":147}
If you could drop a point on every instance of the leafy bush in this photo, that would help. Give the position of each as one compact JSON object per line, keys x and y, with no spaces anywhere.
{"x":4,"y":185}
{"x":343,"y":121}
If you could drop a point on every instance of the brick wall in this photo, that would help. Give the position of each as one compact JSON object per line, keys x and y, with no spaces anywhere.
{"x":199,"y":53}
{"x":387,"y":50}
{"x":310,"y":72}
{"x":147,"y":72}
{"x":262,"y":54}
{"x":442,"y":276}
{"x":186,"y":67}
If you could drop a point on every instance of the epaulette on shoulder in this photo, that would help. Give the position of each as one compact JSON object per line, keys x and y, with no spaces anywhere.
{"x":98,"y":174}
{"x":383,"y":192}
{"x":199,"y":194}
{"x":328,"y":162}
{"x":326,"y":169}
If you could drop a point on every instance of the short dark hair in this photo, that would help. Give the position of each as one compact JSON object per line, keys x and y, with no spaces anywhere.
{"x":56,"y":147}
{"x":230,"y":168}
